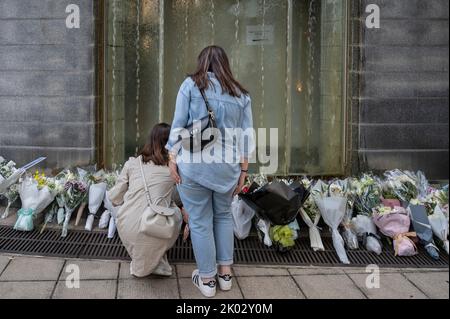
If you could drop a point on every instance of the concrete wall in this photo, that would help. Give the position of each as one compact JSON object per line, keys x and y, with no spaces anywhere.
{"x":400,"y":87}
{"x":47,"y":82}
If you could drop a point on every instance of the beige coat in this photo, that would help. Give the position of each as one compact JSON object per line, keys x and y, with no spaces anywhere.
{"x":148,"y":254}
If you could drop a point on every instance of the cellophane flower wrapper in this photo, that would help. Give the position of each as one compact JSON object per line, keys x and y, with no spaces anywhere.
{"x":75,"y":194}
{"x":12,"y":194}
{"x":114,"y":211}
{"x":34,"y":201}
{"x":367,"y":231}
{"x":263,"y":228}
{"x":394,"y":225}
{"x":423,"y":229}
{"x":104,"y":220}
{"x":440,"y":227}
{"x":96,"y":196}
{"x":333,"y":210}
{"x":242,"y":218}
{"x":366,"y":194}
{"x":403,"y":184}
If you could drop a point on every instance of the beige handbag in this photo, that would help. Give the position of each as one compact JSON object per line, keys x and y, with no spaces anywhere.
{"x":159,"y":221}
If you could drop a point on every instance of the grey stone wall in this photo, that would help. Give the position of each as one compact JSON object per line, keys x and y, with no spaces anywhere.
{"x":47,"y":82}
{"x":400,"y":87}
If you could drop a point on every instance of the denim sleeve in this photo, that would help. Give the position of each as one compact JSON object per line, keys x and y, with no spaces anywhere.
{"x":247,"y":145}
{"x":180,"y":119}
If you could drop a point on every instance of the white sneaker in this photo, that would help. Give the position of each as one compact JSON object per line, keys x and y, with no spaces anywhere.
{"x":225,"y":282}
{"x":208,"y":290}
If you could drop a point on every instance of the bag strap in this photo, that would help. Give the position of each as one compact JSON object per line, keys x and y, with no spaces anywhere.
{"x":208,"y":106}
{"x":147,"y":192}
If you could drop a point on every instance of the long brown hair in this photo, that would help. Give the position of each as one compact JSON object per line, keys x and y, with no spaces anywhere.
{"x":154,"y":150}
{"x":214,"y":59}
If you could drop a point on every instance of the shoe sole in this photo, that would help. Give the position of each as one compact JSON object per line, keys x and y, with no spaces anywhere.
{"x":203,"y":293}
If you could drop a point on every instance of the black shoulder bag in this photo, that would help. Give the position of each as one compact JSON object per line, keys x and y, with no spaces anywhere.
{"x":193,"y":140}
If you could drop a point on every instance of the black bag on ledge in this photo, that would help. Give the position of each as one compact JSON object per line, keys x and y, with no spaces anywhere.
{"x":276,"y":202}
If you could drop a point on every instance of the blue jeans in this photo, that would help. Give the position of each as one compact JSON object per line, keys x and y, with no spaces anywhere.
{"x":211,"y":225}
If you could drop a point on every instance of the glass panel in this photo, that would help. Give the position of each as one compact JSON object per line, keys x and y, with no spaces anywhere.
{"x":287,"y":53}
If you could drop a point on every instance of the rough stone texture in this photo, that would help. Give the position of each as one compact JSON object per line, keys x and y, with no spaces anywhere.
{"x":400,"y":87}
{"x":47,"y":83}
{"x":328,"y":287}
{"x":392,"y":286}
{"x":30,"y":269}
{"x":269,"y":288}
{"x":433,"y":285}
{"x":94,"y":270}
{"x":257,"y":271}
{"x":100,"y":289}
{"x":26,"y":290}
{"x":148,"y":289}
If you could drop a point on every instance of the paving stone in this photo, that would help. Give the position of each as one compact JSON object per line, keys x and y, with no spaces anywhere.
{"x":392,"y":286}
{"x":269,"y":288}
{"x":316,"y":271}
{"x":328,"y":287}
{"x":189,"y":291}
{"x":89,"y":289}
{"x":26,"y":290}
{"x":94,"y":270}
{"x":4,"y":260}
{"x":148,"y":289}
{"x":434,"y":285}
{"x":32,"y":269}
{"x":242,"y":271}
{"x":125,"y":273}
{"x":185,"y":270}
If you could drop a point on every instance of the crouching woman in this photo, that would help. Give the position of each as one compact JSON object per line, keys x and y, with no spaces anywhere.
{"x":146,"y":238}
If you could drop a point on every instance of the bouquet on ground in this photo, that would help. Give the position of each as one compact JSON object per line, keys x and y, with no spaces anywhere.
{"x":284,"y":236}
{"x":109,"y":216}
{"x":9,"y":174}
{"x":36,"y":194}
{"x":366,"y":195}
{"x":440,"y":197}
{"x":242,"y":218}
{"x":395,"y":223}
{"x":97,"y":191}
{"x":75,"y":194}
{"x":12,"y":194}
{"x":333,"y":207}
{"x":401,"y":186}
{"x":57,"y":208}
{"x":439,"y":224}
{"x":341,"y":188}
{"x":311,"y":215}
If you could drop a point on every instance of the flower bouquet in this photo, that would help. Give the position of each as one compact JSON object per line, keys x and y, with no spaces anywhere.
{"x":242,"y":218}
{"x":35,"y":197}
{"x":333,"y":209}
{"x":395,"y":223}
{"x":283,"y":237}
{"x":9,"y":174}
{"x":110,"y":180}
{"x":75,"y":193}
{"x":440,"y":227}
{"x":402,"y":186}
{"x":57,"y":209}
{"x":366,"y":196}
{"x":12,"y":194}
{"x":367,"y":231}
{"x":97,"y":191}
{"x":441,"y":198}
{"x":422,"y":227}
{"x":341,"y":188}
{"x":311,"y":215}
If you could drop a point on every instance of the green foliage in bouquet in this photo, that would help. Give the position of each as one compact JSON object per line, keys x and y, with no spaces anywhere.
{"x":282,"y":236}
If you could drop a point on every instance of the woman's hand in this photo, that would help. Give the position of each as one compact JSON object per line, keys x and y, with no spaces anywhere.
{"x":240,"y":184}
{"x":174,"y":172}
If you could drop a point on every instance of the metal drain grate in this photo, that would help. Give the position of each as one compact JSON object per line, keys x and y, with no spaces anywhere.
{"x":81,"y":244}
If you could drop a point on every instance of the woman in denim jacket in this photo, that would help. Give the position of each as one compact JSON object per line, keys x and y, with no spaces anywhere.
{"x":207,"y":184}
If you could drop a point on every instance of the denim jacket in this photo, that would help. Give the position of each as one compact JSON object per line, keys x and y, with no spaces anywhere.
{"x":217,"y":173}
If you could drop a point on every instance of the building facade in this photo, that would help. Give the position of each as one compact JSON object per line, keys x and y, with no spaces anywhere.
{"x":344,"y":98}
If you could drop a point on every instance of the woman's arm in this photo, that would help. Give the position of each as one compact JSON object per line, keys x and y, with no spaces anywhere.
{"x":117,"y":193}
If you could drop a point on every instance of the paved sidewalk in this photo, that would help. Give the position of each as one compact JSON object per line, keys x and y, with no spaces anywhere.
{"x":44,"y":278}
